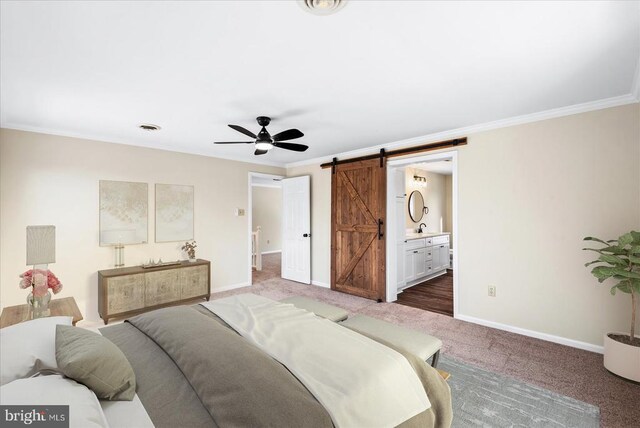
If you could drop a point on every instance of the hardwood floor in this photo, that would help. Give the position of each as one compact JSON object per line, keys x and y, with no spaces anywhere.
{"x":435,"y":295}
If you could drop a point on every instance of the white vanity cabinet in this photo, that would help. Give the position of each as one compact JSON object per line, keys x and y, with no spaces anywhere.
{"x":415,"y":264}
{"x":425,"y":257}
{"x":440,"y":253}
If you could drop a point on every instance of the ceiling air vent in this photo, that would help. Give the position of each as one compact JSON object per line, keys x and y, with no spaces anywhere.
{"x":149,"y":127}
{"x":322,"y":7}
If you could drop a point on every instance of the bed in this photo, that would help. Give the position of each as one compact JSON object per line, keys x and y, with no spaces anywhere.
{"x":198,"y":366}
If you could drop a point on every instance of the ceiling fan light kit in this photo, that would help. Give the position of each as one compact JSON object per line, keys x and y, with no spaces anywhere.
{"x":264,"y":141}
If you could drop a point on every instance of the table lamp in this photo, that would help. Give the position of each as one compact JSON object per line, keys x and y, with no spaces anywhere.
{"x":41,"y":249}
{"x":117,"y":238}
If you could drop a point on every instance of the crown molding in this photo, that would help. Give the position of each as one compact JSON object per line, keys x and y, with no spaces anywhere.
{"x":474,"y":129}
{"x":109,"y":140}
{"x":621,"y":100}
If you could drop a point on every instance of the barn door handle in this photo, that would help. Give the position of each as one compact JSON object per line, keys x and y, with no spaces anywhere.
{"x":380,"y":234}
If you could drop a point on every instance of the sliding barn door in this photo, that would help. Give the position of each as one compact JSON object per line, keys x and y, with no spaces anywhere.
{"x":358,"y":207}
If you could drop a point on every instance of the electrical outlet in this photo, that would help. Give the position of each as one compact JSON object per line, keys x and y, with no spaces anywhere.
{"x":492,"y":291}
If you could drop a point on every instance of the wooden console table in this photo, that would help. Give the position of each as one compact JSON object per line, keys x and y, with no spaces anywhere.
{"x":58,"y":307}
{"x":132,"y":290}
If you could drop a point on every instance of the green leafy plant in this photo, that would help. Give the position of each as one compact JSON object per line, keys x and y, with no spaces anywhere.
{"x":620,"y":259}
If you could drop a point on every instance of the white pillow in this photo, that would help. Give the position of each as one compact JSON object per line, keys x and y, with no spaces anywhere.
{"x":29,"y":347}
{"x":54,"y":390}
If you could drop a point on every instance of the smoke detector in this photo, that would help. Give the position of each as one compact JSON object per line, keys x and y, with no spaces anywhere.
{"x":149,"y":127}
{"x":322,"y":7}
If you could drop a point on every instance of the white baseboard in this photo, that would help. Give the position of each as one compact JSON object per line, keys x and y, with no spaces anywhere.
{"x":230,"y":287}
{"x":321,"y":284}
{"x":271,"y":252}
{"x":543,"y":336}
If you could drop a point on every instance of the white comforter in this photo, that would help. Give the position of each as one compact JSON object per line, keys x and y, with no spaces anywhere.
{"x":360,"y":382}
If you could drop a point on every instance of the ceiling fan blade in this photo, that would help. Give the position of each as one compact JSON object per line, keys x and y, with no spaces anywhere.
{"x":292,"y":146}
{"x":233,"y":142}
{"x":243,"y":130}
{"x":289,"y":134}
{"x":260,"y":152}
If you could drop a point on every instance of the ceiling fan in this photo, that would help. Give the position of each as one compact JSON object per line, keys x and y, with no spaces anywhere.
{"x":265,"y":142}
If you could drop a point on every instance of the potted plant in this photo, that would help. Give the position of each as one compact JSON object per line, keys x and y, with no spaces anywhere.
{"x":620,"y":260}
{"x":190,"y":249}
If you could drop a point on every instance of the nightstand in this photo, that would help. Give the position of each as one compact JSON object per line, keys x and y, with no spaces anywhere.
{"x":59,"y":307}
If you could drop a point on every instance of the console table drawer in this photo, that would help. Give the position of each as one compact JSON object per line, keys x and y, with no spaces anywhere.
{"x":161,"y":287}
{"x":126,"y":293}
{"x":194,"y":281}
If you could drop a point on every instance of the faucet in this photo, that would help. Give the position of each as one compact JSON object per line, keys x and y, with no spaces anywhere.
{"x":420,"y":227}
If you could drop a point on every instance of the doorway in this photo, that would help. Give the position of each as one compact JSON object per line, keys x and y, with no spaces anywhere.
{"x":422,"y":249}
{"x":279,"y":228}
{"x":265,"y":226}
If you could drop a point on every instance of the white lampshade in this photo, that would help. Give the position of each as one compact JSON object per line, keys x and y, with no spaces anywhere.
{"x":41,"y":245}
{"x":118,"y":237}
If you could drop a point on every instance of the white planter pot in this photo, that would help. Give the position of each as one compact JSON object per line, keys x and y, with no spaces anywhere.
{"x":622,"y":359}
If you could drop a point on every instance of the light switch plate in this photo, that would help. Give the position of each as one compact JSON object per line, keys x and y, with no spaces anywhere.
{"x":492,"y":291}
{"x":239,"y":212}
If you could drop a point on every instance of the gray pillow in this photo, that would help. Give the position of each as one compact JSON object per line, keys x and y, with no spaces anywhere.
{"x":96,"y":362}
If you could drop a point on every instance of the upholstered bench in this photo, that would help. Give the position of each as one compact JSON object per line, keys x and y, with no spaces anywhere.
{"x":415,"y":342}
{"x":332,"y":313}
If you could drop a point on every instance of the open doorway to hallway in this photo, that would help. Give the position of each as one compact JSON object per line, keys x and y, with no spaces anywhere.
{"x":425,"y":233}
{"x":265,"y":220}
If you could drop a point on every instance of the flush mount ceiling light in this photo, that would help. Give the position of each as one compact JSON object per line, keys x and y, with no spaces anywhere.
{"x":149,"y":127}
{"x":322,"y":7}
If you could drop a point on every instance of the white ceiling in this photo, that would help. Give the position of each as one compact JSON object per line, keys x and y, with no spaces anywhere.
{"x":374,"y":73}
{"x":439,"y":167}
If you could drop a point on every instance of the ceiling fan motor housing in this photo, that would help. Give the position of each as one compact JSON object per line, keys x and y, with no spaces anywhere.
{"x":263,"y":121}
{"x":264,"y":136}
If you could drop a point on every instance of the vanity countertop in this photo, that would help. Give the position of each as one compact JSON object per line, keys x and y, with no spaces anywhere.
{"x":410,"y":236}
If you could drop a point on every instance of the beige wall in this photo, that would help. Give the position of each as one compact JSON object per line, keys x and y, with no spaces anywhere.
{"x":448,"y":218}
{"x":435,"y":198}
{"x":47,"y":179}
{"x":267,"y":213}
{"x":528,"y":194}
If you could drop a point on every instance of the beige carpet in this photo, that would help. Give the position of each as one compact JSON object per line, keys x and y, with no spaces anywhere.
{"x":568,"y":371}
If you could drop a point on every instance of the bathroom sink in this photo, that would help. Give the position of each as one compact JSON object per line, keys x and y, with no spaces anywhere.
{"x":416,"y":235}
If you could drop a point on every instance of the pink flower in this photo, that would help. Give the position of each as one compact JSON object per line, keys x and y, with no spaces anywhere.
{"x":40,"y":285}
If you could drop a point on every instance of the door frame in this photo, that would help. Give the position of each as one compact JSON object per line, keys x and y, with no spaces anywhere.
{"x":250,"y":214}
{"x":392,"y":256}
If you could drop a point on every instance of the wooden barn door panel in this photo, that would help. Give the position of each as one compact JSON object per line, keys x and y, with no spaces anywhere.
{"x":358,"y":207}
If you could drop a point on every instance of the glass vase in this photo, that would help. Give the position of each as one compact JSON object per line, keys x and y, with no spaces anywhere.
{"x":39,"y":305}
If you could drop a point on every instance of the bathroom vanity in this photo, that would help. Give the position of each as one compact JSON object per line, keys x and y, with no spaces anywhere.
{"x":426,"y":255}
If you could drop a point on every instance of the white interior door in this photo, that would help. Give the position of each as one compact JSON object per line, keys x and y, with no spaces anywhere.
{"x":296,"y":229}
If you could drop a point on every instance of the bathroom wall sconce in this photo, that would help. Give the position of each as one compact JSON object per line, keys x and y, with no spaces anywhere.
{"x":419,"y":181}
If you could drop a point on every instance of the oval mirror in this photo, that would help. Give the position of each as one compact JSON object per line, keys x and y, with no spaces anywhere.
{"x":416,"y":206}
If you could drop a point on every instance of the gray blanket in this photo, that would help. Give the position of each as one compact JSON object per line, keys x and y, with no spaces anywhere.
{"x":216,"y":378}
